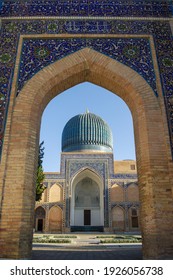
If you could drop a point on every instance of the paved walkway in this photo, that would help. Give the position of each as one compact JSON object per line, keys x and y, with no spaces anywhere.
{"x":87,"y":247}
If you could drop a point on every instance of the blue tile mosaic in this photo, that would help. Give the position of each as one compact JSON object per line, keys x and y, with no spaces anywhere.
{"x":124,"y":176}
{"x":126,"y":205}
{"x":73,"y":163}
{"x":96,"y":166}
{"x":134,"y":52}
{"x":138,"y":8}
{"x":53,"y":176}
{"x":93,"y":161}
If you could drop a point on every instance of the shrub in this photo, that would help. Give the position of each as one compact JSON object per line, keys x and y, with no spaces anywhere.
{"x":120,"y":240}
{"x":45,"y":240}
{"x":65,"y":236}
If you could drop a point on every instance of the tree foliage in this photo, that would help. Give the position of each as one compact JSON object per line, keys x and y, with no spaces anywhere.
{"x":40,"y":174}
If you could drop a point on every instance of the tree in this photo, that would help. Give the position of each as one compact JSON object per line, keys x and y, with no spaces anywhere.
{"x":40,"y":175}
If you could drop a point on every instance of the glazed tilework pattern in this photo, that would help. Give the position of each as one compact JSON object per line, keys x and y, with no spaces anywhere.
{"x":85,"y":159}
{"x":126,"y":205}
{"x":138,"y":8}
{"x":71,"y":164}
{"x":102,"y":164}
{"x":134,"y":52}
{"x":95,"y":165}
{"x":113,"y":176}
{"x":124,"y":176}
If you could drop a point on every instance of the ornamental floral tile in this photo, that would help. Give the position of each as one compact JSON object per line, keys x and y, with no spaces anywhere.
{"x":128,"y":51}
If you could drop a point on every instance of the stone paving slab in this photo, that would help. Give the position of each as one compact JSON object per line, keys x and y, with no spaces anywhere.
{"x":132,"y":254}
{"x":53,"y":252}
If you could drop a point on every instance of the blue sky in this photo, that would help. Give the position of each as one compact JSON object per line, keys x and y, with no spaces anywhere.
{"x":75,"y":101}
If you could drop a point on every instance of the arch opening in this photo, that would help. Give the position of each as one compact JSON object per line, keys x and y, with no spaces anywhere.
{"x":39,"y":223}
{"x":26,"y":112}
{"x":93,"y":99}
{"x":55,"y":219}
{"x":87,"y":205}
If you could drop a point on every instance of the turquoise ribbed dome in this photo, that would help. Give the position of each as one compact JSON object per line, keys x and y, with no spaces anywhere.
{"x":86,"y":132}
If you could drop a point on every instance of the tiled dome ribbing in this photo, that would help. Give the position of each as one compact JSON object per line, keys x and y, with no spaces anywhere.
{"x":87,"y":132}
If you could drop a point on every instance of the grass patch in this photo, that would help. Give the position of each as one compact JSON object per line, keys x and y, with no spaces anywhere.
{"x":54,"y":236}
{"x":120,"y":241}
{"x":105,"y":236}
{"x":119,"y":238}
{"x":47,"y":240}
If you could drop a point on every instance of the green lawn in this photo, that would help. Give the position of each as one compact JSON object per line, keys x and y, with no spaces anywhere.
{"x":107,"y":238}
{"x":51,"y":238}
{"x":124,"y":238}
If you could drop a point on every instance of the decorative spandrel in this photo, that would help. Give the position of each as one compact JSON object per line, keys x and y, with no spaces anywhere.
{"x":95,"y":165}
{"x":133,"y":52}
{"x":160,"y":31}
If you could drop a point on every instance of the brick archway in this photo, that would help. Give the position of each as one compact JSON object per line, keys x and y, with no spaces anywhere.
{"x":19,"y":158}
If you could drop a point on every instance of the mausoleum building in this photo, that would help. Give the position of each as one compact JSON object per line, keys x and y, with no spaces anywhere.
{"x":92,"y":192}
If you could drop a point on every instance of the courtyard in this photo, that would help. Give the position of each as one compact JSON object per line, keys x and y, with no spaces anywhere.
{"x":82,"y":246}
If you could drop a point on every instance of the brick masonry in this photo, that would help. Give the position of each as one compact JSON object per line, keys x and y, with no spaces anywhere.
{"x":151,"y":116}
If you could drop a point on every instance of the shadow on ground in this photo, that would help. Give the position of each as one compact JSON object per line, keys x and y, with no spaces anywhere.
{"x":54,"y":253}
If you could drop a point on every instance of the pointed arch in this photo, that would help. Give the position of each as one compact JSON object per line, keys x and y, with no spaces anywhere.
{"x":116,"y":193}
{"x":40,"y":211}
{"x":55,"y":193}
{"x":21,"y":143}
{"x":39,"y":222}
{"x":84,"y":172}
{"x":87,"y":194}
{"x":55,"y":219}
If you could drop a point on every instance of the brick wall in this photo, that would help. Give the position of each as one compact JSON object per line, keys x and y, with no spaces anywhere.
{"x":19,"y":159}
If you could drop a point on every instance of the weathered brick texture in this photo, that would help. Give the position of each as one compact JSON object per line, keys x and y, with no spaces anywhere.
{"x":19,"y":158}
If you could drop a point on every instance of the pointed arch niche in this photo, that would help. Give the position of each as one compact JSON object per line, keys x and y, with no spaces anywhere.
{"x":55,"y":193}
{"x":87,"y":207}
{"x":116,"y":193}
{"x":39,"y":222}
{"x":55,"y":219}
{"x":21,"y":143}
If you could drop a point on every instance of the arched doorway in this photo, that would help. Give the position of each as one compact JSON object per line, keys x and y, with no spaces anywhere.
{"x":87,"y":207}
{"x":22,"y":138}
{"x":39,"y":219}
